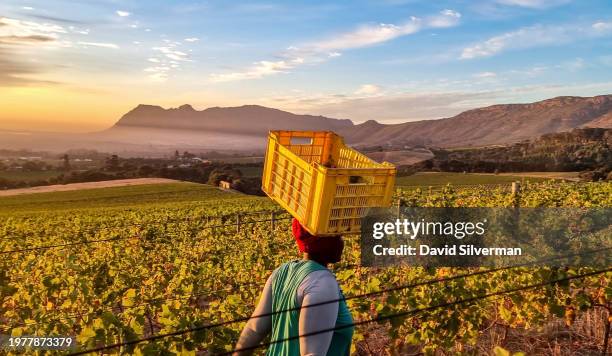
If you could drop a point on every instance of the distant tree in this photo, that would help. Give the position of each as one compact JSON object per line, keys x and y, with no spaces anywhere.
{"x":176,"y":155}
{"x":33,"y":166}
{"x":4,"y":184}
{"x":66,"y":162}
{"x":216,"y":176}
{"x":112,"y":163}
{"x":248,"y":186}
{"x":145,"y":170}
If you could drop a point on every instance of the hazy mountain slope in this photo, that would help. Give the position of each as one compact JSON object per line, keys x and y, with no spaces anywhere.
{"x":497,"y":124}
{"x":604,"y":121}
{"x":248,"y":119}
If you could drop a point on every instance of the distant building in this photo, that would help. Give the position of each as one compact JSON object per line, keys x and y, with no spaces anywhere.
{"x":225,"y":185}
{"x":204,"y":162}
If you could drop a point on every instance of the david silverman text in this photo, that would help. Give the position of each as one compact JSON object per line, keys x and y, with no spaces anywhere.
{"x":464,"y":250}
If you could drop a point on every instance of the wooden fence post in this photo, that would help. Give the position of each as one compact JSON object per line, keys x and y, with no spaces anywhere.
{"x":604,"y":350}
{"x":399,"y":207}
{"x":516,"y":203}
{"x":272,"y":220}
{"x":516,"y":193}
{"x":237,"y":222}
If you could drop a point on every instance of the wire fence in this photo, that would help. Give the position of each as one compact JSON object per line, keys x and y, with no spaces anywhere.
{"x":122,"y":308}
{"x":377,"y":319}
{"x":371,"y":294}
{"x":406,"y":313}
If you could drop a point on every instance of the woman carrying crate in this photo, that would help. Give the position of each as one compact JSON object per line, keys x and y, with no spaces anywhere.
{"x":285,"y":299}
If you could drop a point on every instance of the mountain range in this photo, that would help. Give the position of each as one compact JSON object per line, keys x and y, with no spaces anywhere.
{"x":246,"y":120}
{"x":152,"y":130}
{"x":492,"y":125}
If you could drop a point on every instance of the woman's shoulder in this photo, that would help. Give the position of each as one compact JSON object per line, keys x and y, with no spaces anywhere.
{"x":322,"y":277}
{"x":322,"y":283}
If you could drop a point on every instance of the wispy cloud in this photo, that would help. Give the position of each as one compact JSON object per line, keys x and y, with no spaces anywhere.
{"x":19,"y":28}
{"x":17,"y":39}
{"x":573,"y":65}
{"x":167,"y":58}
{"x":99,"y":44}
{"x":58,"y":19}
{"x":319,"y":51}
{"x":535,"y":36}
{"x":172,"y":53}
{"x":158,"y":73}
{"x":15,"y":32}
{"x":191,"y":39}
{"x":16,"y":72}
{"x":122,"y":13}
{"x":84,"y":31}
{"x":369,"y":35}
{"x":534,"y":4}
{"x":25,"y":39}
{"x":368,"y":90}
{"x":392,"y":108}
{"x":483,"y":75}
{"x":530,"y":72}
{"x":259,"y":70}
{"x":602,"y":26}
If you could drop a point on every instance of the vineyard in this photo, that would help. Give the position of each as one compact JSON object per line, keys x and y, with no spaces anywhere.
{"x":178,"y":269}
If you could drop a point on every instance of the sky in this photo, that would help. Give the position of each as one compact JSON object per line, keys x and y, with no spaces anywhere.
{"x":79,"y":65}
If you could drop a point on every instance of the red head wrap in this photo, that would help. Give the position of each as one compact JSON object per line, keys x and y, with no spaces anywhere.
{"x":326,"y":248}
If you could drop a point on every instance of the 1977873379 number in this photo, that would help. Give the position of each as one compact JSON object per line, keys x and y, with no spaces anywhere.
{"x":8,"y":342}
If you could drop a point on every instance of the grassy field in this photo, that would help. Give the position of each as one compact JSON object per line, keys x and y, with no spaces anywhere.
{"x":120,"y":197}
{"x":28,"y":176}
{"x":425,"y":179}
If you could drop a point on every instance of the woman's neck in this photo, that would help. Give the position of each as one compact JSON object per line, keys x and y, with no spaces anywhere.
{"x":309,"y":257}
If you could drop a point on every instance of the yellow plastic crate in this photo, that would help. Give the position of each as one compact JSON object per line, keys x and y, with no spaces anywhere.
{"x":323,"y":183}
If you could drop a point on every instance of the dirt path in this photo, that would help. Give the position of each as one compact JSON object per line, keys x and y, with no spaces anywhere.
{"x":88,"y":185}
